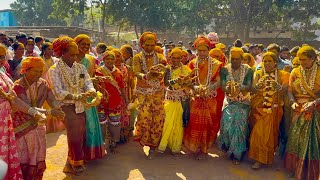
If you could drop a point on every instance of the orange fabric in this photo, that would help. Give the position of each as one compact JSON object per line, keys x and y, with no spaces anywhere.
{"x":80,"y":37}
{"x":236,"y":52}
{"x":158,"y":49}
{"x":108,"y":53}
{"x":31,"y":62}
{"x":147,"y":36}
{"x":201,"y":41}
{"x":250,"y":59}
{"x":60,"y":44}
{"x":204,"y":122}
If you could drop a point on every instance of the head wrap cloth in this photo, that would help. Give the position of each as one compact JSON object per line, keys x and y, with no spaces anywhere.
{"x":236,"y":52}
{"x":201,"y":41}
{"x":147,"y":36}
{"x":31,"y":62}
{"x":61,"y":44}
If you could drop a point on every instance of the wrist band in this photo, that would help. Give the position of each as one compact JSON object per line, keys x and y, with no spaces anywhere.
{"x":32,"y":111}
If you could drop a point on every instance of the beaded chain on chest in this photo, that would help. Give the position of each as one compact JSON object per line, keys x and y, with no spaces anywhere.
{"x":144,"y":61}
{"x":209,"y":75}
{"x":67,"y":76}
{"x":310,"y":83}
{"x":242,"y":74}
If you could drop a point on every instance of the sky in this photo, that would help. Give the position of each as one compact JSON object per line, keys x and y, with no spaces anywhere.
{"x":5,"y":4}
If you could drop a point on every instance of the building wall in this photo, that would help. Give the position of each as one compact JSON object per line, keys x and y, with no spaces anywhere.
{"x":7,"y":18}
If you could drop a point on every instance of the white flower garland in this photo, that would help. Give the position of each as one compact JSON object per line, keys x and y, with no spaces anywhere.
{"x":67,"y":76}
{"x":209,"y":75}
{"x":312,"y":79}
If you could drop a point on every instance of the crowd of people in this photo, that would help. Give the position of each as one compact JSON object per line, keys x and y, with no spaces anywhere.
{"x":243,"y":98}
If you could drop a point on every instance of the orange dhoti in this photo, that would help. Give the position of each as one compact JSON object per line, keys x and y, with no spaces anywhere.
{"x":203,"y":126}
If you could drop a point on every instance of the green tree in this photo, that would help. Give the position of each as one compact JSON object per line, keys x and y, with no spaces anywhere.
{"x":34,"y":13}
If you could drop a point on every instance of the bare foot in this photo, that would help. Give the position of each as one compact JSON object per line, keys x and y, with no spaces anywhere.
{"x":177,"y":154}
{"x":256,"y":165}
{"x":68,"y":169}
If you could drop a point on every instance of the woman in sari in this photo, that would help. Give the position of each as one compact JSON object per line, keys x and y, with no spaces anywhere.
{"x":8,"y":151}
{"x":109,"y":80}
{"x":302,"y":156}
{"x":236,"y":80}
{"x":52,"y":124}
{"x":29,"y":132}
{"x":204,"y":123}
{"x":15,"y":62}
{"x":125,"y":129}
{"x":269,"y":87}
{"x":94,"y":148}
{"x":150,"y":93}
{"x":176,"y":94}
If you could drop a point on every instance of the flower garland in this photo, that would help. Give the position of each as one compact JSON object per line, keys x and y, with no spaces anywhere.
{"x":311,"y":82}
{"x":234,"y":84}
{"x":209,"y":75}
{"x":67,"y":76}
{"x":144,"y":60}
{"x":268,"y":88}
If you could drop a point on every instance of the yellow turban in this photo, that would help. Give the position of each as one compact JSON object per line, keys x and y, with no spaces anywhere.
{"x":249,"y":58}
{"x":201,"y":41}
{"x":220,"y":46}
{"x":146,"y":36}
{"x":31,"y":62}
{"x":116,"y":51}
{"x":271,"y":54}
{"x":176,"y":50}
{"x":236,"y":52}
{"x":81,"y":37}
{"x":184,"y":53}
{"x":215,"y":52}
{"x":307,"y":51}
{"x":109,"y":53}
{"x":109,"y":48}
{"x":158,"y":49}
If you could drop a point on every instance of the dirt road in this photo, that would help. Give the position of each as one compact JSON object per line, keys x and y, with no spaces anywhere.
{"x":130,"y":163}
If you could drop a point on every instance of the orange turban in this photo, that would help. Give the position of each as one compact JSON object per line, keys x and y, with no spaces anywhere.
{"x":108,"y":53}
{"x":31,"y":62}
{"x":236,"y":52}
{"x":249,"y":58}
{"x":60,"y":44}
{"x":147,"y":36}
{"x":201,"y":41}
{"x":216,"y":52}
{"x":109,"y":48}
{"x":81,"y":37}
{"x":308,"y":51}
{"x":176,"y":50}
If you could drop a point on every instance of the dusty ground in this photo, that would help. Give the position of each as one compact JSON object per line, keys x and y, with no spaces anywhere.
{"x":130,"y":163}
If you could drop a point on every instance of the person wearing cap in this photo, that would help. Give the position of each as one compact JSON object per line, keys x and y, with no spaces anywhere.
{"x":8,"y":102}
{"x":236,"y":81}
{"x":149,"y":92}
{"x":204,"y":123}
{"x":30,"y":134}
{"x":94,"y":148}
{"x":270,"y":85}
{"x":72,"y":86}
{"x":111,"y":84}
{"x":302,"y":156}
{"x":30,"y":52}
{"x":213,"y":38}
{"x":176,"y":98}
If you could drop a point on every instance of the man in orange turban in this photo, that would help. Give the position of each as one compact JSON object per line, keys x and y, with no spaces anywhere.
{"x":149,"y":92}
{"x":205,"y":107}
{"x":31,"y":62}
{"x":71,"y":84}
{"x":216,"y":53}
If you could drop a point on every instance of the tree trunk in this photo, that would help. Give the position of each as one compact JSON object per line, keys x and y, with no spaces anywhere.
{"x":306,"y":27}
{"x":103,"y":19}
{"x":136,"y":31}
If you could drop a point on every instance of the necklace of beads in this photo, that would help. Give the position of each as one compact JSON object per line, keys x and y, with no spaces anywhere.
{"x":67,"y":76}
{"x":310,"y":83}
{"x":209,"y":75}
{"x":242,"y":73}
{"x":144,"y":60}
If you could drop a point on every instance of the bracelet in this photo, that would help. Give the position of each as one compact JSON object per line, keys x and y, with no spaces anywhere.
{"x":32,"y":111}
{"x":314,"y":103}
